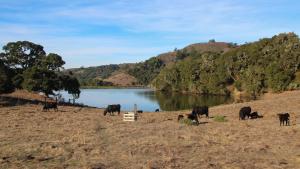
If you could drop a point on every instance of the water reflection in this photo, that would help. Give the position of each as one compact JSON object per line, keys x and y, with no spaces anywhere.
{"x":146,"y":99}
{"x":176,"y":101}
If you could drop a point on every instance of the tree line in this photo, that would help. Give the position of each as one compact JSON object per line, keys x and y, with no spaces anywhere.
{"x":25,"y":65}
{"x":270,"y":64}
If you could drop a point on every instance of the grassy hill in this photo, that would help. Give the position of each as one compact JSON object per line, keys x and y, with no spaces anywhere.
{"x":122,"y":79}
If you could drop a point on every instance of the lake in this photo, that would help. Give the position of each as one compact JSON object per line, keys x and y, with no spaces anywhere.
{"x":146,"y":99}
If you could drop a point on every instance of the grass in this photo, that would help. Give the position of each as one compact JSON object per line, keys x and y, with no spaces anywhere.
{"x":219,"y":118}
{"x":188,"y":122}
{"x":30,"y":138}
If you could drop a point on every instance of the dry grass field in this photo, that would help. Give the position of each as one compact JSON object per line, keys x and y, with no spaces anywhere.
{"x":83,"y":138}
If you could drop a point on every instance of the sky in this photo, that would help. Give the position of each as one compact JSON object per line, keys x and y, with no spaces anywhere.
{"x":98,"y":32}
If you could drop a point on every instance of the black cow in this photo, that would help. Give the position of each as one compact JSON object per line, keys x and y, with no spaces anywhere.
{"x":156,"y":110}
{"x":245,"y":112}
{"x":112,"y":108}
{"x":48,"y":106}
{"x":192,"y":117}
{"x":200,"y":110}
{"x":284,"y":117}
{"x":139,"y":111}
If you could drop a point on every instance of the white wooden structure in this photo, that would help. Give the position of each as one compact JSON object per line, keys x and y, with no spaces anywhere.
{"x":130,"y":116}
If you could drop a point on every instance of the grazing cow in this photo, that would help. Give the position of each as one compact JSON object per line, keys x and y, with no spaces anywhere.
{"x":48,"y":106}
{"x":156,"y":110}
{"x":284,"y":117}
{"x":191,"y":117}
{"x":200,"y":110}
{"x":245,"y":111}
{"x":139,"y":111}
{"x":112,"y":108}
{"x":255,"y":115}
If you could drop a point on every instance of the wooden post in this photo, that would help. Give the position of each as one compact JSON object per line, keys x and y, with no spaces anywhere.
{"x":135,"y":109}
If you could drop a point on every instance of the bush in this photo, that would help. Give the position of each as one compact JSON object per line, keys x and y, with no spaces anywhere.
{"x":293,"y":86}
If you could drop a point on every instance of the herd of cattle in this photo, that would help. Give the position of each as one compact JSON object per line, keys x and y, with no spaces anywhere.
{"x":245,"y":112}
{"x":197,"y":112}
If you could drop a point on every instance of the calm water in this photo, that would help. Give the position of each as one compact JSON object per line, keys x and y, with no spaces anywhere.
{"x":146,"y":99}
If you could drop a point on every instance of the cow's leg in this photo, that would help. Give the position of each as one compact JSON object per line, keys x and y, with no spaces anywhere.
{"x":285,"y":123}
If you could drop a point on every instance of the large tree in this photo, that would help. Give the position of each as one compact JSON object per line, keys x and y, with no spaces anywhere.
{"x":32,"y":69}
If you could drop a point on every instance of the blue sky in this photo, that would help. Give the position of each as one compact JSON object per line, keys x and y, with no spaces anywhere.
{"x":98,"y":32}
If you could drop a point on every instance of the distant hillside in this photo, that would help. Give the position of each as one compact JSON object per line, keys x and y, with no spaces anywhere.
{"x":146,"y":72}
{"x":91,"y":76}
{"x":131,"y":74}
